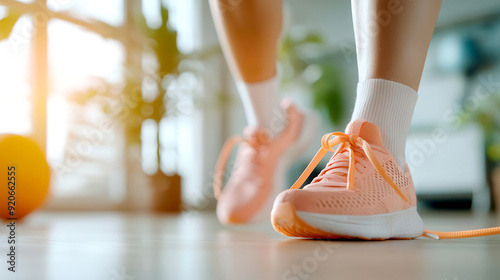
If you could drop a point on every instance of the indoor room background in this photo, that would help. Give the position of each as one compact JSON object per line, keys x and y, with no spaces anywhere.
{"x":131,"y":102}
{"x":123,"y":95}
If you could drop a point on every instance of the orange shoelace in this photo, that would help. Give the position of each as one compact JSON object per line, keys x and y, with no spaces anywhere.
{"x":349,"y":142}
{"x":220,"y":166}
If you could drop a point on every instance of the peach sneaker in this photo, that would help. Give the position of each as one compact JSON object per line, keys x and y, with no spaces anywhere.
{"x":361,"y":193}
{"x":258,"y":172}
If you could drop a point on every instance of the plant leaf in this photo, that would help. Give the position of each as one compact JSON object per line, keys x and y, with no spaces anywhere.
{"x":7,"y":24}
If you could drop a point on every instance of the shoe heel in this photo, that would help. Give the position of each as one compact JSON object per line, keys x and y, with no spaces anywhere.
{"x":306,"y":137}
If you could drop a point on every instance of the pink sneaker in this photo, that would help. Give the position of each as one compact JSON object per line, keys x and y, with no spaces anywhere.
{"x":361,"y":193}
{"x":258,"y":172}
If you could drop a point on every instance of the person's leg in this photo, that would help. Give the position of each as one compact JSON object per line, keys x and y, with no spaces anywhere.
{"x":392,"y":39}
{"x":362,"y":193}
{"x":248,"y":32}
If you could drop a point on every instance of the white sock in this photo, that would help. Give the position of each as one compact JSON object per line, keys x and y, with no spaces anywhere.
{"x":261,"y":102}
{"x":390,"y":106}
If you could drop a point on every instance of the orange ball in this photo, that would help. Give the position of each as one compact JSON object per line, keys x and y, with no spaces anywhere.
{"x":24,"y":176}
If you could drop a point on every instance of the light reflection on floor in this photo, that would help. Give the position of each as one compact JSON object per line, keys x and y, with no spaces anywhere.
{"x":195,"y":246}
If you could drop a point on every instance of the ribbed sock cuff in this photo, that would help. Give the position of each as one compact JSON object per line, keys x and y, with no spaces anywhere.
{"x":260,"y":101}
{"x":390,"y":106}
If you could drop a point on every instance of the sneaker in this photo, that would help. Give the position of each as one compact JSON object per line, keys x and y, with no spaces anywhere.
{"x":258,"y":173}
{"x":361,"y":193}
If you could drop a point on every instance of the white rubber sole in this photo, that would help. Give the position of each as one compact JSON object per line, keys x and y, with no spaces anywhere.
{"x":401,"y":224}
{"x":296,"y":150}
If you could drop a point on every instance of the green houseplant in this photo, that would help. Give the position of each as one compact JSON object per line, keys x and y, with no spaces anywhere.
{"x":131,"y":107}
{"x":487,"y":116}
{"x":300,"y":54}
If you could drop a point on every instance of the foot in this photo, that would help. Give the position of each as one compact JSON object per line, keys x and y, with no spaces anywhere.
{"x":361,"y":193}
{"x":254,"y":181}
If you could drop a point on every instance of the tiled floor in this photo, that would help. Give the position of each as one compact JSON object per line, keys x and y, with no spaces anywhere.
{"x":109,"y":246}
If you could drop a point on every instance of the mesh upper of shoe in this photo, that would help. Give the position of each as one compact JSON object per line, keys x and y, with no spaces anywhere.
{"x":370,"y":194}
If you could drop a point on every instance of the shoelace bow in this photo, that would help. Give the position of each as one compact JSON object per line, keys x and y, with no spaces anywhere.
{"x":350,"y":142}
{"x":220,"y":166}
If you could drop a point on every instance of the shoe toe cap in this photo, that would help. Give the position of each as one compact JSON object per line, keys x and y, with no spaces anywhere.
{"x":230,"y":212}
{"x":300,"y":199}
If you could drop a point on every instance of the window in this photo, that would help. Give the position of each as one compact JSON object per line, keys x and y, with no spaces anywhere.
{"x":57,"y":52}
{"x":15,"y":91}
